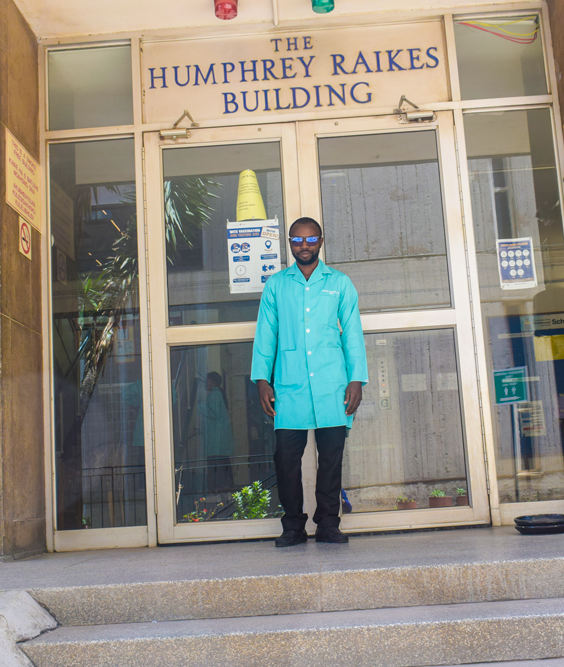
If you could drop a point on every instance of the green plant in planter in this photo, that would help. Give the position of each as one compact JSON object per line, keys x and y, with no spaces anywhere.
{"x":402,"y":499}
{"x":438,"y":493}
{"x":251,"y":502}
{"x":461,"y":492}
{"x":201,"y":514}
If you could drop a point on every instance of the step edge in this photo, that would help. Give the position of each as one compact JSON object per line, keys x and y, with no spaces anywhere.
{"x":497,"y":616}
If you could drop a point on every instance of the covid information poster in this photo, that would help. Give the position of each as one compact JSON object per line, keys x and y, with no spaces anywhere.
{"x":253,"y":250}
{"x":516,"y":263}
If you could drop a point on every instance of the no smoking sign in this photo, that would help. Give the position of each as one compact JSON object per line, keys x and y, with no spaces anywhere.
{"x":25,"y":238}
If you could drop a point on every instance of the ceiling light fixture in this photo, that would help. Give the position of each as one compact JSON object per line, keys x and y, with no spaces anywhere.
{"x":323,"y":6}
{"x":226,"y":9}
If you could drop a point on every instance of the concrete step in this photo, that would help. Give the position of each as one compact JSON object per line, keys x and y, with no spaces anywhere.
{"x":299,"y":592}
{"x":409,"y":637}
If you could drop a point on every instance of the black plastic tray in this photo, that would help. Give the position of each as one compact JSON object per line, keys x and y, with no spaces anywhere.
{"x":540,"y":520}
{"x":541,"y":530}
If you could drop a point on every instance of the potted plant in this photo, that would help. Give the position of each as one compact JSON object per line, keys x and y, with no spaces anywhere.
{"x":439,"y":498}
{"x":461,"y":497}
{"x":405,"y":503}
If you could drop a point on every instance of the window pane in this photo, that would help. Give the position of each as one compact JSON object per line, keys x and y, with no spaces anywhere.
{"x":515,"y":194}
{"x":223,"y":441}
{"x":200,"y":191}
{"x":383,"y":218}
{"x":500,"y":57}
{"x":90,"y":87}
{"x":407,"y":440}
{"x":100,"y":461}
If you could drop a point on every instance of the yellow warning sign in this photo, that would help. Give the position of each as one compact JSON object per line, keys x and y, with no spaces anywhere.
{"x":549,"y":348}
{"x":23,"y":191}
{"x":249,"y":200}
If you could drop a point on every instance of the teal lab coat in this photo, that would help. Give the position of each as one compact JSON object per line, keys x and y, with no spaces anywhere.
{"x":298,"y":335}
{"x":218,"y":437}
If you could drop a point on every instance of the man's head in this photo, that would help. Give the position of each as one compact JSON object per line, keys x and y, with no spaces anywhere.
{"x":213,"y":380}
{"x":305,"y":252}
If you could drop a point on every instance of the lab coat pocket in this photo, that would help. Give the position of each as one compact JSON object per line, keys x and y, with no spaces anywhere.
{"x":329,"y":306}
{"x":292,"y":368}
{"x":334,"y":368}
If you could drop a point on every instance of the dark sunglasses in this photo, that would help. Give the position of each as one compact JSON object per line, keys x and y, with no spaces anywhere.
{"x":310,"y":240}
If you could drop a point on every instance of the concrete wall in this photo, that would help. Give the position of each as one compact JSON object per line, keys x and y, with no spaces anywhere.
{"x":22,"y":483}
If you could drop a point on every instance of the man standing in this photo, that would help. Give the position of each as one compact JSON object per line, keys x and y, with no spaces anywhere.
{"x":309,"y":332}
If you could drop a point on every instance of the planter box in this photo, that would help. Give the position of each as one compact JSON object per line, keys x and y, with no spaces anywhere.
{"x":411,"y":505}
{"x":461,"y":500}
{"x":440,"y":502}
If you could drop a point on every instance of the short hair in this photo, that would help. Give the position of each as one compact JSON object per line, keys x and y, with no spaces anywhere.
{"x":215,"y":378}
{"x":306,"y":221}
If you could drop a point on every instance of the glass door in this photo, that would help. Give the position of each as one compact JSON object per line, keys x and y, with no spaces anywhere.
{"x":388,"y":198}
{"x":213,"y":444}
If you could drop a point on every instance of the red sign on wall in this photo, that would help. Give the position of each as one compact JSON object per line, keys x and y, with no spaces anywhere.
{"x":25,"y":238}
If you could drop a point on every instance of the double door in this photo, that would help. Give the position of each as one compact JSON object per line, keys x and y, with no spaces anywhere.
{"x":387,"y":197}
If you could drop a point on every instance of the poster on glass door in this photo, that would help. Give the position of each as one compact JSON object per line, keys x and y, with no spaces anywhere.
{"x":254,"y":254}
{"x":516,"y":263}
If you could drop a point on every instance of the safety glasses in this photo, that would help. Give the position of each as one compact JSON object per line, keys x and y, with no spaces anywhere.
{"x":310,"y":240}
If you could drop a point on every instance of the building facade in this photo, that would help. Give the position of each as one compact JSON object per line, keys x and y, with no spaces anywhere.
{"x":427,"y":142}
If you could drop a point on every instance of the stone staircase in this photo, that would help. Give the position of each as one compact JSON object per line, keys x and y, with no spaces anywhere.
{"x":314,"y":605}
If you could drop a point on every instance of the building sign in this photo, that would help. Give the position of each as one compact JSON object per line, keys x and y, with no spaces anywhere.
{"x":264,"y":76}
{"x":22,"y":181}
{"x":516,"y":263}
{"x":254,"y":254}
{"x":511,"y":385}
{"x":25,"y":237}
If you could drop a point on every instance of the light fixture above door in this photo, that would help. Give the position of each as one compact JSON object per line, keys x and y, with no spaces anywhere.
{"x":323,"y":6}
{"x":226,"y":9}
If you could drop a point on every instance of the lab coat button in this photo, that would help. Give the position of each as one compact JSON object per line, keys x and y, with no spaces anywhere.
{"x":307,"y":330}
{"x":311,"y":374}
{"x":307,"y":310}
{"x":307,"y":289}
{"x":309,"y":351}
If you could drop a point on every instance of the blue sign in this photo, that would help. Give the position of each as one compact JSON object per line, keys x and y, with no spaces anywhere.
{"x":516,"y":263}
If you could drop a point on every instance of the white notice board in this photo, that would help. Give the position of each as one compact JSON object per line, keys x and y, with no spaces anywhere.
{"x":253,"y":251}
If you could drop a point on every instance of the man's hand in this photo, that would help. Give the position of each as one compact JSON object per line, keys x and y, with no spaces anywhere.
{"x":266,"y":395}
{"x":353,"y":397}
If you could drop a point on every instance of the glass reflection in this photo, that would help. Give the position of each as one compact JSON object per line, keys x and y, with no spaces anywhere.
{"x":515,"y":194}
{"x":383,"y":218}
{"x":500,"y":57}
{"x":99,"y":447}
{"x":90,"y":87}
{"x":407,"y":443}
{"x":223,"y":441}
{"x":200,"y":191}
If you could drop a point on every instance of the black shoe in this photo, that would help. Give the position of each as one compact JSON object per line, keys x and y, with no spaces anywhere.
{"x":290,"y":538}
{"x":330,"y":534}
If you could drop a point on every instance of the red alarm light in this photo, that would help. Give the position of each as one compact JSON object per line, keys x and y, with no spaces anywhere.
{"x":226,"y":9}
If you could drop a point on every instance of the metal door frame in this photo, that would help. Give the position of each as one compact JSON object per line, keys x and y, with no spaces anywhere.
{"x":300,"y":174}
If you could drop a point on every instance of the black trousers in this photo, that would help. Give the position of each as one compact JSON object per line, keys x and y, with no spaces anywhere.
{"x":290,"y":445}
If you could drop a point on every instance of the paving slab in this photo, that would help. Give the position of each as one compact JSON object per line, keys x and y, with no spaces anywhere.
{"x":191,"y":562}
{"x":409,"y":637}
